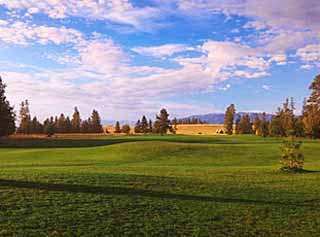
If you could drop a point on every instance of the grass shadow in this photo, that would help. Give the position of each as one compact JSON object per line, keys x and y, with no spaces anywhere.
{"x":134,"y":192}
{"x":94,"y":142}
{"x":298,"y":171}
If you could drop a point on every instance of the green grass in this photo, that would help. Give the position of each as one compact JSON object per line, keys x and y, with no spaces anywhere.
{"x":156,"y":186}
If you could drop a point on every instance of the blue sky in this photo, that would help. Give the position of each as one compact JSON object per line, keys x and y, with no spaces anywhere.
{"x":127,"y":58}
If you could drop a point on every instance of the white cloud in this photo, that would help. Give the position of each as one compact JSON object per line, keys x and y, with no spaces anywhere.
{"x":282,"y":25}
{"x":293,"y":13}
{"x":21,"y":33}
{"x":266,"y":87}
{"x":225,"y":88}
{"x":226,"y":55}
{"x":306,"y":66}
{"x":258,"y":25}
{"x":310,"y":54}
{"x":98,"y":72}
{"x":162,"y":50}
{"x":118,"y":11}
{"x":3,"y":23}
{"x":279,"y":59}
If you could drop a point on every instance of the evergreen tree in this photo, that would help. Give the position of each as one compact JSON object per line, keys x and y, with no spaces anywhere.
{"x":229,"y":118}
{"x":144,"y":124}
{"x":287,"y":118}
{"x":311,"y":116}
{"x":36,"y":127}
{"x":292,"y":158}
{"x":96,"y":126}
{"x":48,"y":127}
{"x":256,"y":124}
{"x":25,"y":118}
{"x":162,"y":122}
{"x":174,"y":123}
{"x":55,"y":123}
{"x":298,"y":127}
{"x":150,"y":126}
{"x":237,"y":125}
{"x":245,"y":126}
{"x":138,"y":127}
{"x":7,"y":115}
{"x":85,"y":126}
{"x":61,"y":124}
{"x":76,"y":121}
{"x":263,"y":129}
{"x":126,"y":129}
{"x":68,"y":125}
{"x":117,"y":128}
{"x":275,"y":126}
{"x":282,"y":123}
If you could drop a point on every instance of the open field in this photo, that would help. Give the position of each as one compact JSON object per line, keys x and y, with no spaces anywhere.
{"x":156,"y":186}
{"x":200,"y":129}
{"x":185,"y":129}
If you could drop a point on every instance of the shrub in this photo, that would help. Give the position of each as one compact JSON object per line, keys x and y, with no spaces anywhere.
{"x":126,"y":129}
{"x":291,"y":157}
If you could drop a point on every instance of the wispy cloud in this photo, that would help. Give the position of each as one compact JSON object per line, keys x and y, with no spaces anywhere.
{"x":118,"y":11}
{"x":162,"y":50}
{"x":98,"y":72}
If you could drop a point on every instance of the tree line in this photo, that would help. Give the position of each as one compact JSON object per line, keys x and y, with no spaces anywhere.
{"x":191,"y":120}
{"x":161,"y":125}
{"x":57,"y":124}
{"x":284,"y":123}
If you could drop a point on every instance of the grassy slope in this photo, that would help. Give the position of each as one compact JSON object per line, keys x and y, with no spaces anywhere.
{"x":151,"y":185}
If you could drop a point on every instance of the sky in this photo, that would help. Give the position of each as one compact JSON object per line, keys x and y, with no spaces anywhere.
{"x":127,"y":58}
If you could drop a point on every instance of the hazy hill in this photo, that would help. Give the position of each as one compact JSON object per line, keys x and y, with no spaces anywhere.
{"x":218,"y":118}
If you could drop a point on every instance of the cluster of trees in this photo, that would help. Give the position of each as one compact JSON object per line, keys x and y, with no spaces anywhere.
{"x":284,"y":123}
{"x":143,"y":126}
{"x":259,"y":126}
{"x":189,"y":121}
{"x":161,"y":126}
{"x":124,"y":129}
{"x":61,"y":124}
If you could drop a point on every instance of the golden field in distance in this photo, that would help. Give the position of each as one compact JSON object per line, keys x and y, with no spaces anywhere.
{"x":186,"y":129}
{"x":182,"y":129}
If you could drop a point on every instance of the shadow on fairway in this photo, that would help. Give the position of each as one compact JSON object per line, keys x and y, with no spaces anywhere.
{"x":77,"y":143}
{"x":56,"y":143}
{"x":133,"y":192}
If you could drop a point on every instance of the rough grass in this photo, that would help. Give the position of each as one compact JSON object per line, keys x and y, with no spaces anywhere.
{"x":156,"y":186}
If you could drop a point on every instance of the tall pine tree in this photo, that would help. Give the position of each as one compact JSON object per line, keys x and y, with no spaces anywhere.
{"x":311,"y":115}
{"x":144,"y":124}
{"x":117,"y":128}
{"x":162,"y":123}
{"x":245,"y":126}
{"x":25,"y":118}
{"x":229,"y":118}
{"x":76,"y":121}
{"x":138,"y":127}
{"x":96,"y":126}
{"x":256,"y":124}
{"x":7,"y":116}
{"x":263,"y":129}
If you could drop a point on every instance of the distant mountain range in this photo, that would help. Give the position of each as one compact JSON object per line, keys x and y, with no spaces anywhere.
{"x":218,"y":118}
{"x":212,"y":118}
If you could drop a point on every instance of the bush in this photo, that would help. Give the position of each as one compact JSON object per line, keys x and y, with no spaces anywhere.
{"x":126,"y":129}
{"x":291,"y":157}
